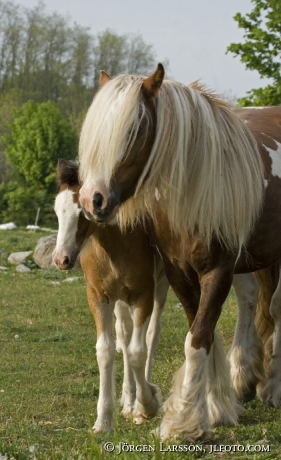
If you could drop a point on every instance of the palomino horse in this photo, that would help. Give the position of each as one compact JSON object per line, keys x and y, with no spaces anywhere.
{"x":211,"y":184}
{"x":124,"y":273}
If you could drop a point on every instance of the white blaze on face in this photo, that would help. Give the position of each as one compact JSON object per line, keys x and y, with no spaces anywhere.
{"x":68,"y":216}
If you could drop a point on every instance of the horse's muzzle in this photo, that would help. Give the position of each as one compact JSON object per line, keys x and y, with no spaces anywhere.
{"x":99,"y":214}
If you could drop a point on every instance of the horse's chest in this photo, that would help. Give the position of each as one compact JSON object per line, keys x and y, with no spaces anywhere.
{"x":121,"y":270}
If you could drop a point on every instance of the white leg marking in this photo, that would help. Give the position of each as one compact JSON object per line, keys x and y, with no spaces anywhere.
{"x":271,"y":394}
{"x":124,"y":328}
{"x":105,"y":348}
{"x":246,"y":353}
{"x":147,"y":395}
{"x":222,"y":403}
{"x":186,"y":411}
{"x":154,"y":328}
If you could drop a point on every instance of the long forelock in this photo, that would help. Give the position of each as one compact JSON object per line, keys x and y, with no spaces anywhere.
{"x":110,"y":127}
{"x":203,"y":164}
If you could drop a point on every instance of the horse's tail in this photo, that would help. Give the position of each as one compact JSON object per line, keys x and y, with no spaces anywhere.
{"x":268,"y":280}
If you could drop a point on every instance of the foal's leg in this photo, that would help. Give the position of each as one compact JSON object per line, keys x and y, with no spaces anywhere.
{"x":154,"y":328}
{"x":246,"y":353}
{"x":105,"y":348}
{"x":124,"y":329}
{"x":147,"y":395}
{"x":271,"y":393}
{"x":186,"y":411}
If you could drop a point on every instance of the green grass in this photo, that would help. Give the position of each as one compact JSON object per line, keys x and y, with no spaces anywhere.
{"x":49,"y":377}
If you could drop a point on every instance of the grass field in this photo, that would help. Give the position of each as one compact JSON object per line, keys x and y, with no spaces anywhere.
{"x":49,"y":377}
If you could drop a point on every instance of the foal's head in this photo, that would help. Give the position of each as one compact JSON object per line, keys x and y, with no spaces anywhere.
{"x":72,"y":223}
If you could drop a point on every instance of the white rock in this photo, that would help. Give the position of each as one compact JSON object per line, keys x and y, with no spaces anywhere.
{"x":9,"y":226}
{"x":3,"y":268}
{"x":43,"y":251}
{"x":70,"y":280}
{"x":17,"y":258}
{"x":23,"y":269}
{"x":32,"y":227}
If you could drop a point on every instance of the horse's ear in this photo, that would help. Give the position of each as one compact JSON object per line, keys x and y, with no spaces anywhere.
{"x":104,"y":78}
{"x":152,"y":84}
{"x":67,"y":172}
{"x":61,"y":162}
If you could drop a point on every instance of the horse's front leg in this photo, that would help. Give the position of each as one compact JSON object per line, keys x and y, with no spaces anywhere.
{"x":246,"y":353}
{"x":105,"y":349}
{"x":201,"y":394}
{"x":147,"y":394}
{"x":124,"y":329}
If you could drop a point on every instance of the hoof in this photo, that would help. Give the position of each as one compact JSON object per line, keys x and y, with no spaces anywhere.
{"x":139,"y":419}
{"x":102,"y":427}
{"x":249,"y":395}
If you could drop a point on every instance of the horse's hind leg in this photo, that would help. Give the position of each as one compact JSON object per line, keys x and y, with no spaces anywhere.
{"x":147,"y":395}
{"x":154,"y":328}
{"x":105,"y":349}
{"x":246,"y":353}
{"x":271,"y":393}
{"x":124,"y":329}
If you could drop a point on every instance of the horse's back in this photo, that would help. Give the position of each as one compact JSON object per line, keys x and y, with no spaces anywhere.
{"x":264,"y":122}
{"x":264,"y":245}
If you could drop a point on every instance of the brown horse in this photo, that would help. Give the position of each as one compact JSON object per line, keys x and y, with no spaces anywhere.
{"x":246,"y":368}
{"x":211,"y":184}
{"x":124,"y":273}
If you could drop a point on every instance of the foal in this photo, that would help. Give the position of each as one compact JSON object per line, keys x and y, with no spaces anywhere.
{"x":124,"y":273}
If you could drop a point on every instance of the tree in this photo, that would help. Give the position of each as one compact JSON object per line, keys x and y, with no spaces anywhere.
{"x":9,"y":102}
{"x":122,"y":54}
{"x":39,"y":136}
{"x":261,"y":50}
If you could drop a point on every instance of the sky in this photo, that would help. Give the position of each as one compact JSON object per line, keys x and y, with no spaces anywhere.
{"x":193,"y":35}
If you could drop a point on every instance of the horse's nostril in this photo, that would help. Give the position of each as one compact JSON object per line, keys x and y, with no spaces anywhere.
{"x":97,"y":201}
{"x":66,"y":261}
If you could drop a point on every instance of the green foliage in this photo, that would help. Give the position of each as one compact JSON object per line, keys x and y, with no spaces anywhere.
{"x":39,"y":136}
{"x":52,"y":67}
{"x":261,"y":50}
{"x":46,"y":58}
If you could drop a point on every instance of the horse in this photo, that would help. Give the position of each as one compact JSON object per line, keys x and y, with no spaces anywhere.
{"x":210,"y":180}
{"x":247,"y":367}
{"x":124,"y":273}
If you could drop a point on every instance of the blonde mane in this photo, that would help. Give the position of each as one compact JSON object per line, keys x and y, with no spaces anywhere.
{"x":204,"y":164}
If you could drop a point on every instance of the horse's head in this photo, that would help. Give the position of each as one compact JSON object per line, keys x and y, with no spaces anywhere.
{"x":72,"y":223}
{"x":116,"y":140}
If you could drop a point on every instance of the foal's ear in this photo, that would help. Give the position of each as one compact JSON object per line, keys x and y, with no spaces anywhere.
{"x":67,"y":172}
{"x":104,"y":78}
{"x":152,"y":84}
